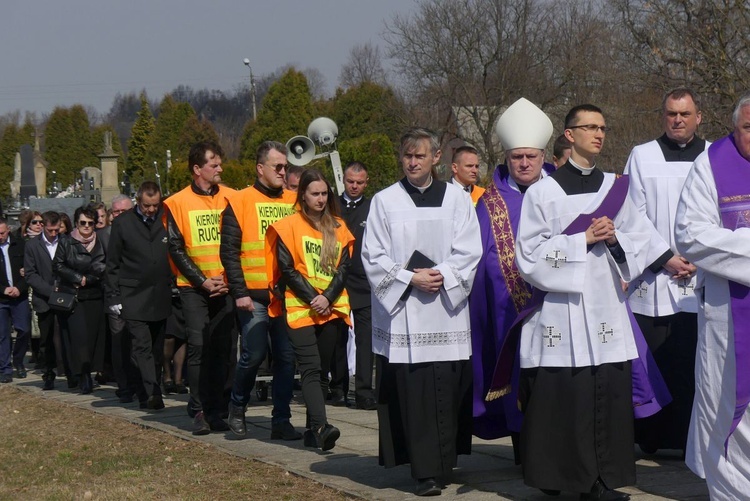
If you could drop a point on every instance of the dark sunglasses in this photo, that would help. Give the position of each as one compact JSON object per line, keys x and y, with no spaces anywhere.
{"x":86,"y":223}
{"x":36,"y":221}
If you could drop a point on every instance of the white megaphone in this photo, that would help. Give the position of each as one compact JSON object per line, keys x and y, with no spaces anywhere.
{"x":323,"y":131}
{"x":300,"y":150}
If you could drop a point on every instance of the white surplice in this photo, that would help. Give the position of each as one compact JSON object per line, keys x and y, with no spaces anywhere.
{"x":655,"y":186}
{"x":425,"y":327}
{"x":720,"y":254}
{"x":583,"y":320}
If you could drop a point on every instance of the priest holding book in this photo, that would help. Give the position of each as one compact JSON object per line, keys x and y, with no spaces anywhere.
{"x":420,"y":314}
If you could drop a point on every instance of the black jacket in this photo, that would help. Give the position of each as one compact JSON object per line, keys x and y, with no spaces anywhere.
{"x":356,"y":283}
{"x":37,"y":265}
{"x":16,"y":248}
{"x":138,"y":274}
{"x":72,"y":262}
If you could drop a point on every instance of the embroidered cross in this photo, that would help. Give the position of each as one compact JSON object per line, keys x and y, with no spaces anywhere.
{"x":684,"y":284}
{"x":605,"y":330}
{"x":642,"y":288}
{"x":555,"y":258}
{"x":551,"y":335}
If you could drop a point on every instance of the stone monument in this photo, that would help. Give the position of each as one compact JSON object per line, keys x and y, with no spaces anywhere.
{"x":28,"y":183}
{"x":40,"y":168}
{"x":110,"y":185}
{"x":15,"y":185}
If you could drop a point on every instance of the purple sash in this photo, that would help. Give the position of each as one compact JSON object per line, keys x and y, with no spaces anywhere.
{"x":650,"y":392}
{"x":730,"y":171}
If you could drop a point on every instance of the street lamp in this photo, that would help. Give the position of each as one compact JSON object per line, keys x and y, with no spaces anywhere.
{"x":252,"y":85}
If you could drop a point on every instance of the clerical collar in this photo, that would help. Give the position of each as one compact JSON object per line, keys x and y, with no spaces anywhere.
{"x":421,"y":189}
{"x":267,"y":190}
{"x":674,"y":152}
{"x":213,"y":190}
{"x":584,"y":171}
{"x":350,"y":202}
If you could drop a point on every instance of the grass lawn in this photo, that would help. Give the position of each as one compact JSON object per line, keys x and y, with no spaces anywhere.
{"x":55,"y":451}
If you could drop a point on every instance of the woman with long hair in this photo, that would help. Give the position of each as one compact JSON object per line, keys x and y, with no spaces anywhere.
{"x":308,"y":259}
{"x":79,"y":265}
{"x":66,"y":225}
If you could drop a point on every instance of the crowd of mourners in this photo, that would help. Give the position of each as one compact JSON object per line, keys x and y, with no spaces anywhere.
{"x":578,"y":312}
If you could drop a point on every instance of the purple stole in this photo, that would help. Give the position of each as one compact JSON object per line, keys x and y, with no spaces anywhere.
{"x":650,"y":392}
{"x":730,"y":171}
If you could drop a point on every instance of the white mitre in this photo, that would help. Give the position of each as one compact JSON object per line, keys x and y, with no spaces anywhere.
{"x":523,"y":125}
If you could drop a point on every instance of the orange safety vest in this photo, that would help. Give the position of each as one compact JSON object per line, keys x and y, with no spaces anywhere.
{"x":476,"y":193}
{"x":304,"y":243}
{"x":255,"y":212}
{"x":198,"y":218}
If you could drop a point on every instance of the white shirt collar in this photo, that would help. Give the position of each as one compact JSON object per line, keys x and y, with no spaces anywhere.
{"x":585,"y":171}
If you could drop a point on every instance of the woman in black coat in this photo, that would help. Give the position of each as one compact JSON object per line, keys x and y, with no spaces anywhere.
{"x":79,"y":266}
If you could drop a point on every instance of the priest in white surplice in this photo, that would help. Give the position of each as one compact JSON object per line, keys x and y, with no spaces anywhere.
{"x":663,"y":297}
{"x":712,"y":230}
{"x":420,"y":315}
{"x":579,"y":235}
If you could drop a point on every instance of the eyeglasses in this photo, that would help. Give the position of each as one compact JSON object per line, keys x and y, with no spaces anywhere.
{"x":277,"y":167}
{"x":86,"y":223}
{"x":36,"y":221}
{"x":592,"y":128}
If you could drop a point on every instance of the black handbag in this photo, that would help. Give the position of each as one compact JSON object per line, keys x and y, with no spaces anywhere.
{"x":61,"y":301}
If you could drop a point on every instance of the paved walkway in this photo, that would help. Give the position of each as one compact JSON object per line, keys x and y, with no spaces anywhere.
{"x":352,"y":466}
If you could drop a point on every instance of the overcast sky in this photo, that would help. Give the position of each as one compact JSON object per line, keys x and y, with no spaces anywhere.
{"x":55,"y":52}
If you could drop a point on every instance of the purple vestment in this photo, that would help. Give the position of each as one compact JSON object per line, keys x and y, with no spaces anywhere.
{"x":730,"y":171}
{"x":498,"y":296}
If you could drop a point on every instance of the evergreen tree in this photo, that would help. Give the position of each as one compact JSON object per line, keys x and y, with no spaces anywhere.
{"x":140,"y":134}
{"x":286,"y":111}
{"x":367,"y":108}
{"x":377,"y":152}
{"x":171,"y":120}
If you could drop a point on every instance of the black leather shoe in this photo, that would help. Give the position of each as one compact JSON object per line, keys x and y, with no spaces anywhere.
{"x":6,"y":378}
{"x":309,"y":439}
{"x":216,"y":423}
{"x":126,"y":398}
{"x":86,"y":385}
{"x":284,"y":431}
{"x":155,"y":403}
{"x":427,"y":487}
{"x":180,"y":389}
{"x":337,"y":401}
{"x":236,"y":420}
{"x":72,"y":382}
{"x":49,"y":384}
{"x":169,"y":387}
{"x":200,"y":426}
{"x":21,"y":372}
{"x":550,"y":492}
{"x":367,"y":404}
{"x":599,"y":492}
{"x":326,"y":438}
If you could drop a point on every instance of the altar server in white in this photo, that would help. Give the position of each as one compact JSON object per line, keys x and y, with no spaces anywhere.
{"x":420,"y":252}
{"x":663,"y":297}
{"x":578,"y":237}
{"x":712,"y":231}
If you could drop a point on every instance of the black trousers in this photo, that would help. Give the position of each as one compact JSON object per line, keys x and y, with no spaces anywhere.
{"x":125,"y":372}
{"x":313,"y":348}
{"x":47,"y":352}
{"x":210,"y":325}
{"x":147,"y":343}
{"x":363,"y":388}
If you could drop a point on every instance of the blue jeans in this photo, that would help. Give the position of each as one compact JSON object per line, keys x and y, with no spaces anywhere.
{"x":255,"y":328}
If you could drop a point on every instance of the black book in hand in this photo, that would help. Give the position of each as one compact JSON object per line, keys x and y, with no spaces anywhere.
{"x":417,"y":260}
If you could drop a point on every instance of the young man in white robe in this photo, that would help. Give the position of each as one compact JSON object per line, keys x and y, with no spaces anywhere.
{"x":663,"y":297}
{"x":711,"y":231}
{"x":578,"y":237}
{"x":420,"y":315}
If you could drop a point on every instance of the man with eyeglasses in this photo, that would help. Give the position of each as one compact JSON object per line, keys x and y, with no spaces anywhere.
{"x":663,"y":298}
{"x":37,"y":265}
{"x":243,"y":230}
{"x":14,"y":305}
{"x":193,"y":221}
{"x":578,"y":237}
